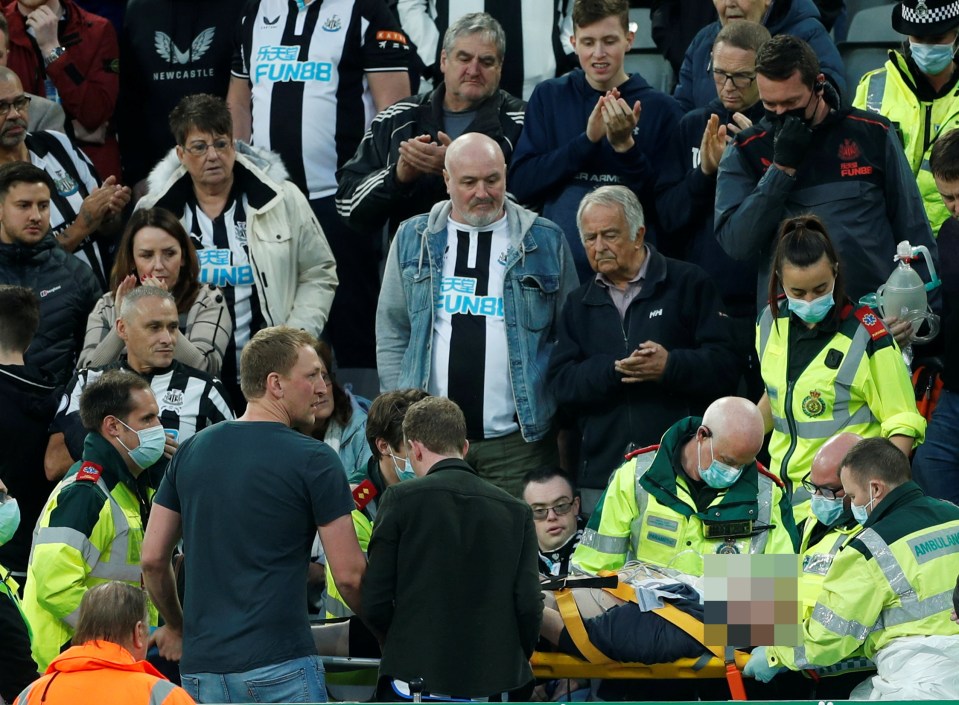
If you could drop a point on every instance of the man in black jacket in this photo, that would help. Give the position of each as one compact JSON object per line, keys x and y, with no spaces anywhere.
{"x":452,"y":570}
{"x":643,"y":344}
{"x":31,"y":257}
{"x":687,"y":184}
{"x":397,"y":172}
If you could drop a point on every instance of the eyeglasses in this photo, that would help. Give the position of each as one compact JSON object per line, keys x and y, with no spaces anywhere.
{"x":827,"y":492}
{"x":19,"y":104}
{"x":199,"y":149}
{"x":740,"y":80}
{"x":561,"y":509}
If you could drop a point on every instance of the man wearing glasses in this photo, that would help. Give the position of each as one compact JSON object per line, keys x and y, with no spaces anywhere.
{"x":84,"y":214}
{"x":256,"y":236}
{"x":559,"y":525}
{"x":686,"y":190}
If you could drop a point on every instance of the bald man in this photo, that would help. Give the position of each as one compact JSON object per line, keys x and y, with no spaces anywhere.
{"x":468,"y":310}
{"x":823,"y":532}
{"x":700,"y":491}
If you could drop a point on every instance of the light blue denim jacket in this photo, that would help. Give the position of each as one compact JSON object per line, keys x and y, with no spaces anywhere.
{"x":539,"y":276}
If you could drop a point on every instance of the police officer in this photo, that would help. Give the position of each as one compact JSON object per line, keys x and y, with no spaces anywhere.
{"x":91,"y":529}
{"x":916,"y":89}
{"x":700,"y":491}
{"x":889,"y":591}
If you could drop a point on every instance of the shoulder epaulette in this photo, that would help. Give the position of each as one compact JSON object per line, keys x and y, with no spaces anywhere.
{"x":364,"y":493}
{"x":639,"y":451}
{"x":871,"y":322}
{"x":89,"y":472}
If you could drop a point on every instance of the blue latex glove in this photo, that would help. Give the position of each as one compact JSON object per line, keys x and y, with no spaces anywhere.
{"x":758,"y":666}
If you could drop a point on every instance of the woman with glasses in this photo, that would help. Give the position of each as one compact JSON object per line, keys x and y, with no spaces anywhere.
{"x":827,"y":366}
{"x":156,"y":251}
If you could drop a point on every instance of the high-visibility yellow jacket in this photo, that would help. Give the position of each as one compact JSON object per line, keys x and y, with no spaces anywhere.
{"x":893,"y":579}
{"x":647,"y":513}
{"x":90,"y":532}
{"x":856,"y":382}
{"x":819,"y":553}
{"x":891,"y":92}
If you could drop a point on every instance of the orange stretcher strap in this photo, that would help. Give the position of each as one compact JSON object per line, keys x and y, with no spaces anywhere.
{"x":576,"y":629}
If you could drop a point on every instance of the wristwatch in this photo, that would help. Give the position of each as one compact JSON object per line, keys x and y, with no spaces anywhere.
{"x":53,"y":56}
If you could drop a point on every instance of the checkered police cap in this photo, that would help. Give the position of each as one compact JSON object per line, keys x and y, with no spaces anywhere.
{"x":923,"y":18}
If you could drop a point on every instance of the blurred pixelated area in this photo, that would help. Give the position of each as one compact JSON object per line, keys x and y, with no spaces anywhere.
{"x":752,"y":600}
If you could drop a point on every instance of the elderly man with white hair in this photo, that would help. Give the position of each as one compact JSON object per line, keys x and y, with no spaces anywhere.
{"x":700,"y":491}
{"x":641,"y":345}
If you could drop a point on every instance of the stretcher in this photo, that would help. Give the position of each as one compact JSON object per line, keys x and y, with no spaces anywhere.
{"x":720,"y":662}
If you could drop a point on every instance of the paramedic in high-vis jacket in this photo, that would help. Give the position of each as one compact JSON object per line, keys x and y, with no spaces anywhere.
{"x":700,"y":492}
{"x":888,"y":591}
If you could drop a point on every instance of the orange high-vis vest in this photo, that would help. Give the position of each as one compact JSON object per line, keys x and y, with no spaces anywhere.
{"x":101,"y":673}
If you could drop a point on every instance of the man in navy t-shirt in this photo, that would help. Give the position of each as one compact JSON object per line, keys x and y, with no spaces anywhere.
{"x":248,"y":499}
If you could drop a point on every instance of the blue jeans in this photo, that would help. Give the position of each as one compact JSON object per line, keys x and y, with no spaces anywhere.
{"x":936,"y":463}
{"x":298,"y":680}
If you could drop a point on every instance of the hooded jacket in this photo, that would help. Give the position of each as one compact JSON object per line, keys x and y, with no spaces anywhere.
{"x":800,"y":18}
{"x":67,"y":290}
{"x":293,"y":267}
{"x":555,"y":164}
{"x":99,"y":672}
{"x":539,"y":276}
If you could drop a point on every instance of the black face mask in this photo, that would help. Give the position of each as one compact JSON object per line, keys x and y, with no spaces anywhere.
{"x":777,"y":119}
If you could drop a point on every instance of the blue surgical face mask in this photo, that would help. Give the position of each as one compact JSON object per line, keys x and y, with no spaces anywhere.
{"x":9,"y":518}
{"x":827,"y":511}
{"x":932,"y":59}
{"x":862,"y":513}
{"x":719,"y":475}
{"x":152,"y":441}
{"x":404,"y":473}
{"x":811,"y":311}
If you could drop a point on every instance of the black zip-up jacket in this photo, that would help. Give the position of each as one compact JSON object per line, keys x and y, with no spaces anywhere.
{"x":679,"y":308}
{"x":67,"y":290}
{"x":368,"y":193}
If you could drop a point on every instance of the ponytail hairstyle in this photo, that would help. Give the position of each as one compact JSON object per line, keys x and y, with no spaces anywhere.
{"x":802,"y":241}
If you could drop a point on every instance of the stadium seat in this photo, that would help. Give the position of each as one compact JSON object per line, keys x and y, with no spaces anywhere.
{"x":873,"y":25}
{"x":651,"y":66}
{"x":860,"y":59}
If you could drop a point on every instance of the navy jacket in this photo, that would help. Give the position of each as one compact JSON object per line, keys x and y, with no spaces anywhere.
{"x":684,"y":203}
{"x":800,"y":18}
{"x":555,"y":164}
{"x":679,"y":308}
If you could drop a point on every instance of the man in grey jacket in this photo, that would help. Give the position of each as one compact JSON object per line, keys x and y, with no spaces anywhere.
{"x":468,"y":307}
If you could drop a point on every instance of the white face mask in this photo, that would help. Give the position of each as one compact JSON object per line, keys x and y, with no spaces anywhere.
{"x":861,"y":513}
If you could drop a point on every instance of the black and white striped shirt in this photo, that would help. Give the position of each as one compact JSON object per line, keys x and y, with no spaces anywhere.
{"x":73,"y":176}
{"x":306,"y":69}
{"x":189,"y":401}
{"x":470,"y":355}
{"x":224,"y":256}
{"x":533,"y":52}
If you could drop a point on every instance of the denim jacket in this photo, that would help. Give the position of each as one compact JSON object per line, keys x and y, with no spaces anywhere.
{"x":539,"y":276}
